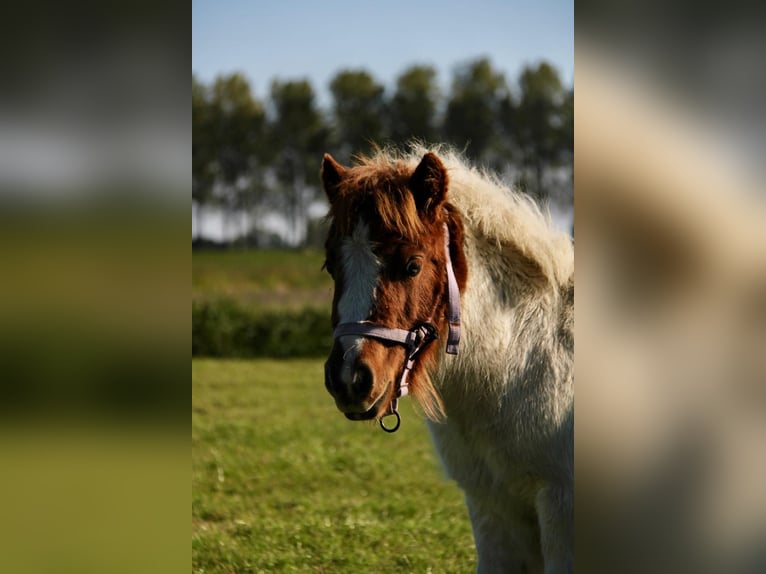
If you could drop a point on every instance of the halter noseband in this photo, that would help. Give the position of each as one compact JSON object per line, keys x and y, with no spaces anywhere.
{"x":415,"y":339}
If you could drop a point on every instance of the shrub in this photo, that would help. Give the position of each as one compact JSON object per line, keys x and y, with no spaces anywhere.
{"x":223,"y":328}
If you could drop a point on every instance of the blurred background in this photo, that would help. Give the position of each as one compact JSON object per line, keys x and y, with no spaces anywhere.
{"x":95,"y":128}
{"x":671,"y":287}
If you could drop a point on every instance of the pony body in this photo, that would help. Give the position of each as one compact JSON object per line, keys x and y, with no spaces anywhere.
{"x":507,"y":430}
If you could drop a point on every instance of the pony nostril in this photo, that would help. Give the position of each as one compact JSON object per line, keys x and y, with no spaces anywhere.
{"x":363,"y":380}
{"x":334,"y":383}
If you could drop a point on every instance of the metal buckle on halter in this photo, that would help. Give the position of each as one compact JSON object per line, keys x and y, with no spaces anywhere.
{"x":425,"y":333}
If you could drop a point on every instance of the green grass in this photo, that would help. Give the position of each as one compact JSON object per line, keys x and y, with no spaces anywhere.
{"x":262,"y":278}
{"x":282,"y":482}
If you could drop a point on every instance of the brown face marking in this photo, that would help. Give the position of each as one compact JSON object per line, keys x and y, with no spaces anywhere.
{"x":385,"y":250}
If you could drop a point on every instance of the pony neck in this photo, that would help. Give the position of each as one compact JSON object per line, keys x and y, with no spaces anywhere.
{"x":503,"y":292}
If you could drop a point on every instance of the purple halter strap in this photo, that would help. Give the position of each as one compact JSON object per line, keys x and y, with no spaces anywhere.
{"x":415,"y":339}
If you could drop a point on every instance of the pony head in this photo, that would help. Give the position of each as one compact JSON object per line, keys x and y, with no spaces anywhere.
{"x":386,"y":253}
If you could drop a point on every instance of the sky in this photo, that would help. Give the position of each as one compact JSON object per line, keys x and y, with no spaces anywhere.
{"x":292,"y":39}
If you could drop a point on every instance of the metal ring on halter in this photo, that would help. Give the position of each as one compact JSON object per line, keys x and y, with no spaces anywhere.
{"x":393,"y":428}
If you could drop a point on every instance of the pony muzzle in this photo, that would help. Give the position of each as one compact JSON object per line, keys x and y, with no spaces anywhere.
{"x":352,"y":387}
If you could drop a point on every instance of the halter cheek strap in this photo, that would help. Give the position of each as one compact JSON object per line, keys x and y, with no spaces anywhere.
{"x":415,"y":339}
{"x":453,"y":301}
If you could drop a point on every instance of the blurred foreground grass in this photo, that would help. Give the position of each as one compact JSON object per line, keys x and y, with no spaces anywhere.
{"x":94,"y":336}
{"x":93,"y":498}
{"x":281,"y":481}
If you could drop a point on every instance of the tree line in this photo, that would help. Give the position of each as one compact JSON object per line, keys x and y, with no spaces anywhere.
{"x":259,"y":157}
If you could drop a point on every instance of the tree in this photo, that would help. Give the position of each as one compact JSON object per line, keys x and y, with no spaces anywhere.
{"x":539,"y":120}
{"x":472,"y":110}
{"x":566,"y":133}
{"x":238,"y":122}
{"x":412,"y":112}
{"x":300,"y":135}
{"x":506,"y":144}
{"x":202,"y":151}
{"x":359,"y":111}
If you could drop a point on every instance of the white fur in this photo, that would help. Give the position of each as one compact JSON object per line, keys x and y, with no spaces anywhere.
{"x":508,"y":438}
{"x":360,"y":275}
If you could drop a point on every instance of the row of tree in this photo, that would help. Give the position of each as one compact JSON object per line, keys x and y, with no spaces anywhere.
{"x":257,"y":157}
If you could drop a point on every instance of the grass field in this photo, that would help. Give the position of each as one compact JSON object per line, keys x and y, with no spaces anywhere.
{"x":261,"y":279}
{"x":282,"y":482}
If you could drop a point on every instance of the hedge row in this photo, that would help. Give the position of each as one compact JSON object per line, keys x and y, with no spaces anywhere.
{"x":223,"y":328}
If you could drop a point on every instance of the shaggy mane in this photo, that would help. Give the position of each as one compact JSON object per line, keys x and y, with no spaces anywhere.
{"x":489,"y":207}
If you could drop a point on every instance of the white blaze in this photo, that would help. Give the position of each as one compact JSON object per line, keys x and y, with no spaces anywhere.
{"x":360,"y":278}
{"x":360,"y":274}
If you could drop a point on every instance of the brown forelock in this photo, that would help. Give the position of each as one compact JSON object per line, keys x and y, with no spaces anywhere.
{"x":380,"y":196}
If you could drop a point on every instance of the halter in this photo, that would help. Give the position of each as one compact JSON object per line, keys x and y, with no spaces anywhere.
{"x":414,"y":340}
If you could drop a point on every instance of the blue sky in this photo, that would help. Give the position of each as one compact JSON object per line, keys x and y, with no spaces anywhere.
{"x":299,"y":38}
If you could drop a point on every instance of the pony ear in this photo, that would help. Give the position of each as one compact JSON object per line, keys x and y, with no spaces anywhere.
{"x":429,"y":184}
{"x":332,"y":173}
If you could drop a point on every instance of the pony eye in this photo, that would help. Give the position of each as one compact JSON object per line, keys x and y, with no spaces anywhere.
{"x":412,"y":268}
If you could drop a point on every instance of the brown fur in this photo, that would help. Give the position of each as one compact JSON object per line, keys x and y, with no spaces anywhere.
{"x":378,"y":195}
{"x":405,"y":210}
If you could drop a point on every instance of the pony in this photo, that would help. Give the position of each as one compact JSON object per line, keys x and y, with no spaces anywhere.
{"x":423,"y":247}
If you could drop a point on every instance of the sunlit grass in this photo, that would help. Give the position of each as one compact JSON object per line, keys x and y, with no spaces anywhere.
{"x":262,"y":278}
{"x":282,"y":482}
